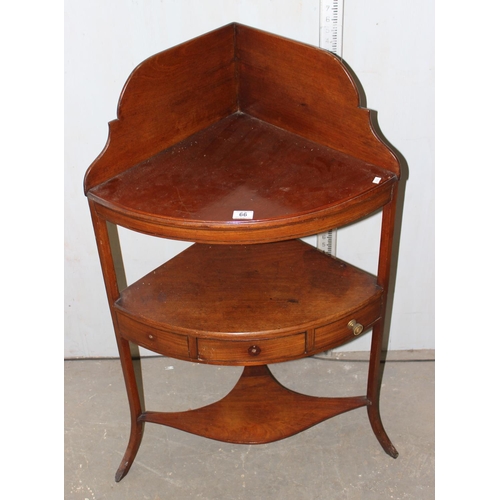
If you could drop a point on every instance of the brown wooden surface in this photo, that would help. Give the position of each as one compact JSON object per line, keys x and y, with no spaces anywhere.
{"x":243,"y":164}
{"x":182,"y":90}
{"x":215,"y":303}
{"x":240,"y":119}
{"x":243,"y":292}
{"x":374,"y":371}
{"x":308,"y":91}
{"x":110,"y":263}
{"x":248,"y":352}
{"x":258,"y":410}
{"x":158,"y":340}
{"x":168,"y":97}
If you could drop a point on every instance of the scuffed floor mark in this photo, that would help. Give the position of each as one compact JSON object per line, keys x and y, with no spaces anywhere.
{"x":244,"y":455}
{"x":81,"y":488}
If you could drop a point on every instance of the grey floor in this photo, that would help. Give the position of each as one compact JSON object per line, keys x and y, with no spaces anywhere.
{"x":336,"y":459}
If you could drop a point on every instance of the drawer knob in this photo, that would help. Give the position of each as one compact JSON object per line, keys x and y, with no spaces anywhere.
{"x":356,"y":327}
{"x":254,"y":350}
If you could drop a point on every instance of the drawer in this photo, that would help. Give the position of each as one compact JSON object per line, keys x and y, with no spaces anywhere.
{"x":160,"y":341}
{"x":338,"y":332}
{"x":251,"y":351}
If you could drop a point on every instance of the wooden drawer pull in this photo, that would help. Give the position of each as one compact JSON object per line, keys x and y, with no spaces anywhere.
{"x":254,"y":350}
{"x":356,"y":327}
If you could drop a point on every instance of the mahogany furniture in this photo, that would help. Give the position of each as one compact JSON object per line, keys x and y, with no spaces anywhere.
{"x":242,"y":142}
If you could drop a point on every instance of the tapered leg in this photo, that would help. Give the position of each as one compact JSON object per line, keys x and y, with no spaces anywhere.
{"x":374,"y":393}
{"x":136,"y":432}
{"x":378,"y":429}
{"x":134,"y":397}
{"x":114,"y":280}
{"x":374,"y":372}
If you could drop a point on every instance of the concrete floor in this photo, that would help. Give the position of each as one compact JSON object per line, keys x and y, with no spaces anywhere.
{"x":336,"y":459}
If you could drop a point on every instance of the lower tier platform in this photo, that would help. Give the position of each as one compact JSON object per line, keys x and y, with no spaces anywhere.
{"x":258,"y":410}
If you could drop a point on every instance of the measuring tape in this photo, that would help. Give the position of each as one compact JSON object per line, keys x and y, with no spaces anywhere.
{"x":331,"y":25}
{"x":330,"y":38}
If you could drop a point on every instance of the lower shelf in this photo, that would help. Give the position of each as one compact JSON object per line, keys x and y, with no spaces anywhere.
{"x":248,"y":304}
{"x":258,"y":410}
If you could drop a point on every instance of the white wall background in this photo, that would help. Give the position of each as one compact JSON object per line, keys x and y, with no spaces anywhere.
{"x":390,"y":46}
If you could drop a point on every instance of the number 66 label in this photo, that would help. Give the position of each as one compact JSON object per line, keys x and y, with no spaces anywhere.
{"x":243,"y":214}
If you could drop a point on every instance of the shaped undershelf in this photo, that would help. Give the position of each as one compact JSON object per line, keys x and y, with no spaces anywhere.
{"x":257,"y":410}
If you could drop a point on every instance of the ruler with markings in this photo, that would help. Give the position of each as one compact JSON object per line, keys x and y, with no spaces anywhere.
{"x":330,"y":38}
{"x":331,"y":25}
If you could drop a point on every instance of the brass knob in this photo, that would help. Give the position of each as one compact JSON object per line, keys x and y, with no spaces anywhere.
{"x":356,"y":327}
{"x":254,"y":350}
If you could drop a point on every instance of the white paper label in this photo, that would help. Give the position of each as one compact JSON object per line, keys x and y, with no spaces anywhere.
{"x":243,"y":214}
{"x":377,"y":180}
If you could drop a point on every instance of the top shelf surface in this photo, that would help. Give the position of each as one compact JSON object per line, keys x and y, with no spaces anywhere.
{"x":293,"y":186}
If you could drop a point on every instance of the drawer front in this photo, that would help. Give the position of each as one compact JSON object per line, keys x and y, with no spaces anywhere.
{"x":166,"y":343}
{"x":251,"y":351}
{"x":338,"y":333}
